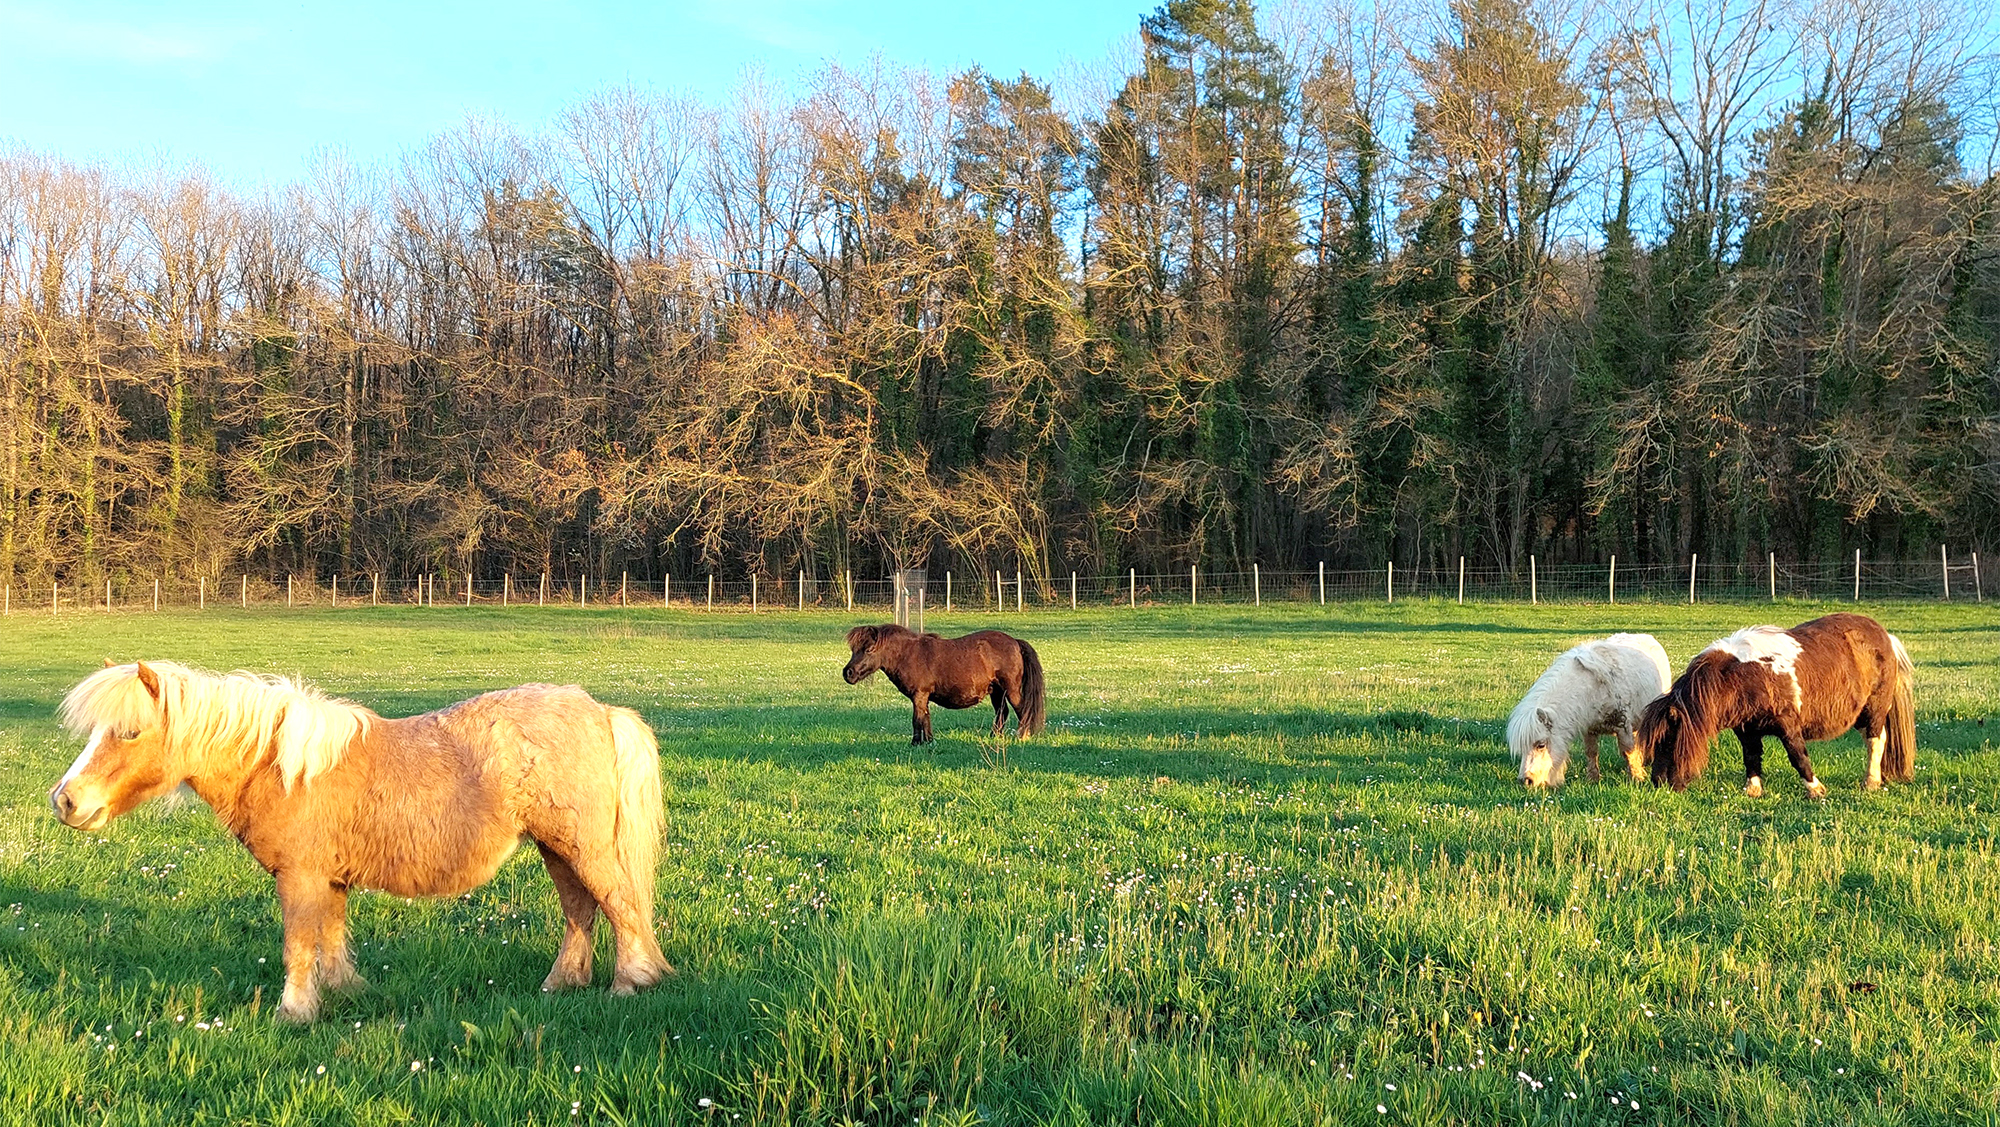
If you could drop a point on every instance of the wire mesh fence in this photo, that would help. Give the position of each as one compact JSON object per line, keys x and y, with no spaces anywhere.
{"x":1856,"y":579}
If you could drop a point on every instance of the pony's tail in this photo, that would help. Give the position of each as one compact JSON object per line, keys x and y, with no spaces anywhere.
{"x":641,"y":814}
{"x":1033,"y":712}
{"x":1899,"y":759}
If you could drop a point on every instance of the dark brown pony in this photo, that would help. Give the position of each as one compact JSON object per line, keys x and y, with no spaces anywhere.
{"x":953,"y":672}
{"x":1811,"y":682}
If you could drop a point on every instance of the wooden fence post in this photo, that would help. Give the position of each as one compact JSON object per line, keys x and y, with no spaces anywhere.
{"x":624,"y":579}
{"x":1944,"y":571}
{"x":1774,"y":576}
{"x":336,"y":590}
{"x":506,"y":588}
{"x":1978,"y":596}
{"x":1072,"y":590}
{"x":1134,"y":579}
{"x":667,"y":589}
{"x":583,"y":590}
{"x":947,"y":594}
{"x":802,"y":589}
{"x":55,"y":598}
{"x":1322,"y":583}
{"x":107,"y":596}
{"x":753,"y":592}
{"x":156,"y":594}
{"x":711,"y":591}
{"x":850,"y":589}
{"x":1020,"y":592}
{"x":1857,"y":575}
{"x":1534,"y":596}
{"x":542,"y":592}
{"x":374,"y":588}
{"x":1391,"y":588}
{"x":288,"y":590}
{"x":1694,"y":561}
{"x":201,"y":595}
{"x":468,"y":588}
{"x":1461,"y":581}
{"x":1256,"y":585}
{"x":1611,"y":583}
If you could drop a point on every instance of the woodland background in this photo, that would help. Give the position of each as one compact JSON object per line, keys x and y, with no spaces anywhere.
{"x":1353,"y":284}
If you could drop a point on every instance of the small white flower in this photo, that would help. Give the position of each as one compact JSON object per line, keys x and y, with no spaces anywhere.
{"x":704,"y":1102}
{"x":320,"y":1071}
{"x":577,"y":1068}
{"x":1380,"y":1110}
{"x":1391,"y":1087}
{"x":416,"y":1066}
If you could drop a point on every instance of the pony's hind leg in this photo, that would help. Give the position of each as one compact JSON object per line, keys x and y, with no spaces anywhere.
{"x":629,"y":907}
{"x":336,"y":959}
{"x":920,"y":718}
{"x":574,"y":957}
{"x":1753,"y":762}
{"x":1000,"y":709}
{"x":1590,"y":756}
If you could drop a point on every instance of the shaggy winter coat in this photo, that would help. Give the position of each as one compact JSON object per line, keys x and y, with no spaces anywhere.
{"x":1595,"y":688}
{"x":1812,"y":682}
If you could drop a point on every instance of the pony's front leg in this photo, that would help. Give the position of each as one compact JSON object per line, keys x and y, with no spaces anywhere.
{"x":1590,"y":757}
{"x":305,"y":899}
{"x":920,"y":717}
{"x":336,"y":959}
{"x":1635,"y":760}
{"x":1802,"y":763}
{"x":1753,"y":762}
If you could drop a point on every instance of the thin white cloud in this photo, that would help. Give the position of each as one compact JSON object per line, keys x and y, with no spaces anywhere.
{"x":59,"y":31}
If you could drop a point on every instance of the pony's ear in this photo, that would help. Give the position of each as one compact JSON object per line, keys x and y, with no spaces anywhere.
{"x":109,"y":664}
{"x":149,"y":679}
{"x":1542,"y":714}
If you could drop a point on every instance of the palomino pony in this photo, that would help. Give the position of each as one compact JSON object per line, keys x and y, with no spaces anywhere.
{"x":329,"y":796}
{"x":1811,"y":682}
{"x":953,"y":672}
{"x":1594,"y":688}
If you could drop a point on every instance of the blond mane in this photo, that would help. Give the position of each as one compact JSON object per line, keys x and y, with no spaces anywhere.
{"x":252,"y":715}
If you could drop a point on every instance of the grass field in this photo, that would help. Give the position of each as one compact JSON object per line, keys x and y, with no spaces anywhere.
{"x":1269,"y":866}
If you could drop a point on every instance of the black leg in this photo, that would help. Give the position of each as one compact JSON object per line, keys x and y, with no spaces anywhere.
{"x":921,"y":718}
{"x":999,"y":708}
{"x":1753,"y":762}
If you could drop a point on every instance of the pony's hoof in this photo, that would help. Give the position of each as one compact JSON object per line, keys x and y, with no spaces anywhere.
{"x":1754,"y":788}
{"x":630,"y":982}
{"x":349,"y":983}
{"x":558,"y":981}
{"x":1816,"y":788}
{"x":295,"y":1015}
{"x":1872,"y":784}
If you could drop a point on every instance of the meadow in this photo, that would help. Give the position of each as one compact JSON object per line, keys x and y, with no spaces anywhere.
{"x":1268,"y":866}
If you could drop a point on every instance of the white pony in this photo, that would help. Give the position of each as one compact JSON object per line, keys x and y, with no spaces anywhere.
{"x":1595,"y":688}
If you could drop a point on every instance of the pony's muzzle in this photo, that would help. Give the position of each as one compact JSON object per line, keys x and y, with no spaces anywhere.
{"x":67,"y":811}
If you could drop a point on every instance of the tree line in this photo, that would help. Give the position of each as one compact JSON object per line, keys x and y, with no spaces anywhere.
{"x":1353,"y":284}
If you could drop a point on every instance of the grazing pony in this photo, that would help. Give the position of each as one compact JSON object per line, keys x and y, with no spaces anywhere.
{"x":1811,"y":682}
{"x":1594,"y":688}
{"x":329,"y":796}
{"x":953,"y":672}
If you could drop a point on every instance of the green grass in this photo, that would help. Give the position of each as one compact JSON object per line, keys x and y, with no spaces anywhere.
{"x":1266,"y":864}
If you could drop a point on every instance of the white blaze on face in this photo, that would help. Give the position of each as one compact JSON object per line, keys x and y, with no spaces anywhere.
{"x":82,"y":761}
{"x":1776,"y":648}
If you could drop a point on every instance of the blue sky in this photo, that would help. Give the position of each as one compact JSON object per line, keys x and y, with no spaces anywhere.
{"x":250,"y":88}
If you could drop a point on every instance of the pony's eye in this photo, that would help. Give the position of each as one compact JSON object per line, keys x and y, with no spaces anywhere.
{"x":126,"y":734}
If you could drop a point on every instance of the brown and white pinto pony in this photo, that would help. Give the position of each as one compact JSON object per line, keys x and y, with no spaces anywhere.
{"x":1811,"y":682}
{"x":329,"y":796}
{"x":953,"y":672}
